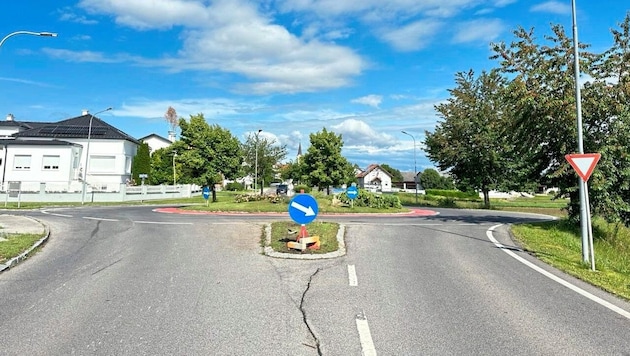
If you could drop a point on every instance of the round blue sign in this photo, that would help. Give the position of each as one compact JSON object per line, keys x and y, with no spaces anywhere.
{"x":352,"y":192}
{"x":206,"y":192}
{"x":303,"y":208}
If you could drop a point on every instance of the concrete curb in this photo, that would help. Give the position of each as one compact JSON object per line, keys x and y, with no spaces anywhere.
{"x":24,"y":255}
{"x":268,"y":251}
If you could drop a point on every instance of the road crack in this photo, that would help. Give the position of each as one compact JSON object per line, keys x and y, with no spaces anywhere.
{"x":303,"y":311}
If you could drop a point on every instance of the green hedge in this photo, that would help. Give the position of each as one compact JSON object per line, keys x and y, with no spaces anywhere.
{"x":456,"y":194}
{"x":371,"y":200}
{"x":234,"y":187}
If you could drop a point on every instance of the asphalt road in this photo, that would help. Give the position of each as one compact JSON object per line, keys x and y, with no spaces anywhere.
{"x":129,"y":281}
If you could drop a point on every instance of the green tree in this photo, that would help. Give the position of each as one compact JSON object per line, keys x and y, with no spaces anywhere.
{"x":396,"y":175}
{"x":206,"y":154}
{"x":323,"y":163}
{"x":162,"y":166}
{"x":141,"y":162}
{"x":269,"y":155}
{"x":431,"y":179}
{"x":470,"y":142}
{"x":542,"y":105}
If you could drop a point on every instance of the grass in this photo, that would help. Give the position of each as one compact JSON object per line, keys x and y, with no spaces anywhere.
{"x":558,"y":243}
{"x":326,"y":231}
{"x":15,"y":244}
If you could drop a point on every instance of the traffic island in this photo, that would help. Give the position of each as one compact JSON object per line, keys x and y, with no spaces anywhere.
{"x":278,"y":235}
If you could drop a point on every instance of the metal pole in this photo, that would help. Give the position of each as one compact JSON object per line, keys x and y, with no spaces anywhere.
{"x":578,"y":107}
{"x":256,"y":169}
{"x":174,"y":176}
{"x":44,"y":34}
{"x":415,"y":168}
{"x":87,"y":155}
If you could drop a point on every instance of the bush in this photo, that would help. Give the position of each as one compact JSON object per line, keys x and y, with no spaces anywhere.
{"x":298,"y":188}
{"x":456,"y":194}
{"x":371,"y":200}
{"x":235,"y":187}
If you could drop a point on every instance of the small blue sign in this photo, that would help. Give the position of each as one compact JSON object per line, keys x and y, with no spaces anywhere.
{"x":206,"y":192}
{"x":303,"y":208}
{"x":352,"y":192}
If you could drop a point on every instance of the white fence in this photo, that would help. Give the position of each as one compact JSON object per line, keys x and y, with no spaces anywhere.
{"x":73,"y":192}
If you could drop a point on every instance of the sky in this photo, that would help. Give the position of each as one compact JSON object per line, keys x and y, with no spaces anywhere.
{"x":366,"y":70}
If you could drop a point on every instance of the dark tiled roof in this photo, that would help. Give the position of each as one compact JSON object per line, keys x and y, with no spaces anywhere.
{"x":25,"y":142}
{"x":76,"y":127}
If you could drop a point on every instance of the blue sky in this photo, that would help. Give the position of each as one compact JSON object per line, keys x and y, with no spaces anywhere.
{"x":364,"y":69}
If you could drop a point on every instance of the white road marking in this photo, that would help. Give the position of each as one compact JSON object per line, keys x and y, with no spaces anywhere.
{"x":55,"y":214}
{"x":352,"y":276}
{"x":160,"y":222}
{"x":100,"y":219}
{"x":367,"y":345}
{"x":555,"y":278}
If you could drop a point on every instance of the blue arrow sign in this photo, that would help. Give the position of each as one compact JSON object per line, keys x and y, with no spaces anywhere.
{"x":303,"y":208}
{"x":206,"y":192}
{"x":352,"y":192}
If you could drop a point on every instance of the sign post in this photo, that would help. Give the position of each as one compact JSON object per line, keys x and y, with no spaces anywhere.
{"x":584,"y":164}
{"x":303,"y":209}
{"x":352,"y":192}
{"x":206,"y":193}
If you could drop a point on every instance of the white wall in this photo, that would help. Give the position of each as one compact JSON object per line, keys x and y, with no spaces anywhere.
{"x":36,"y":171}
{"x":156,"y":143}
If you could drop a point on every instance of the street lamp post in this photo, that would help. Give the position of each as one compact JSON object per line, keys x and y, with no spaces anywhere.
{"x":174,"y":177}
{"x":415,"y":168}
{"x":87,"y":154}
{"x":44,"y":34}
{"x":256,"y":164}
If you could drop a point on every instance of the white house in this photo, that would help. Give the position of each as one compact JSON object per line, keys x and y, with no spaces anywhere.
{"x":375,"y":178}
{"x":156,"y":142}
{"x":55,"y":153}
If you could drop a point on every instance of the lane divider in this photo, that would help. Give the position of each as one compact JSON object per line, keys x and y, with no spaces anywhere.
{"x":352,"y":276}
{"x":555,"y":278}
{"x":367,"y":345}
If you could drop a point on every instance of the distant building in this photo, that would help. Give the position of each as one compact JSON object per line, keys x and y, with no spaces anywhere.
{"x":375,"y":178}
{"x":155,"y":142}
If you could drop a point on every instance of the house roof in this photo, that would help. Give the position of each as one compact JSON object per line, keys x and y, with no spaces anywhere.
{"x":370,"y":168}
{"x":408,"y":176}
{"x":76,"y":127}
{"x":156,"y":136}
{"x":26,"y":142}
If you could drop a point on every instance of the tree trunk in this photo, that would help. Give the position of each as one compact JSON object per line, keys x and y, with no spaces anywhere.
{"x":486,"y":198}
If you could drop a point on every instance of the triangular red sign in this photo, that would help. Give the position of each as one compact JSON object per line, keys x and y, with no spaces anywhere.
{"x":583,"y":163}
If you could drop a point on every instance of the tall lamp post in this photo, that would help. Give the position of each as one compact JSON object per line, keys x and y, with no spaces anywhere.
{"x":415,"y":168}
{"x":174,"y":177}
{"x":43,"y":34}
{"x":87,"y":154}
{"x":256,"y":164}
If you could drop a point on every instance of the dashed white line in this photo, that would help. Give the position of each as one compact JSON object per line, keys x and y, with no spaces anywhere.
{"x":555,"y":278}
{"x":352,"y":276}
{"x":100,"y":219}
{"x":56,"y":214}
{"x":161,"y":222}
{"x":367,"y":345}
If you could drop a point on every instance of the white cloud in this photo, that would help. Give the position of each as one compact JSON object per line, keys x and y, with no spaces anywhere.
{"x":356,"y":132}
{"x":413,"y":36}
{"x":86,"y":56}
{"x":66,"y":14}
{"x":370,"y":100}
{"x":482,"y":30}
{"x":234,"y":37}
{"x":555,"y":7}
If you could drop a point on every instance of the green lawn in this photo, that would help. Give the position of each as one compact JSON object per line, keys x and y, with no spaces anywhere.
{"x":326,"y":231}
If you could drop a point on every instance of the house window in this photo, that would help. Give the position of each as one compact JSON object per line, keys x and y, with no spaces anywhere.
{"x":105,"y":164}
{"x":22,"y":162}
{"x":50,"y":163}
{"x":127,"y":165}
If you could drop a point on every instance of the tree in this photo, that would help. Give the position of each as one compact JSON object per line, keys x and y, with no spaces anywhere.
{"x":396,"y":175}
{"x":542,"y":105}
{"x":431,"y":179}
{"x":470,"y":142}
{"x":323,"y":163}
{"x":162,"y":166}
{"x":206,"y":154}
{"x":141,"y":162}
{"x":171,"y":118}
{"x":269,"y":155}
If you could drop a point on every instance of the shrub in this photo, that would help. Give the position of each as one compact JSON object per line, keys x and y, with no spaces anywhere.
{"x":456,"y":194}
{"x":298,"y":188}
{"x":235,"y":187}
{"x":371,"y":200}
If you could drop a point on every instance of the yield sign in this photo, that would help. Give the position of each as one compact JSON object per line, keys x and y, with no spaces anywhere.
{"x":583,"y":163}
